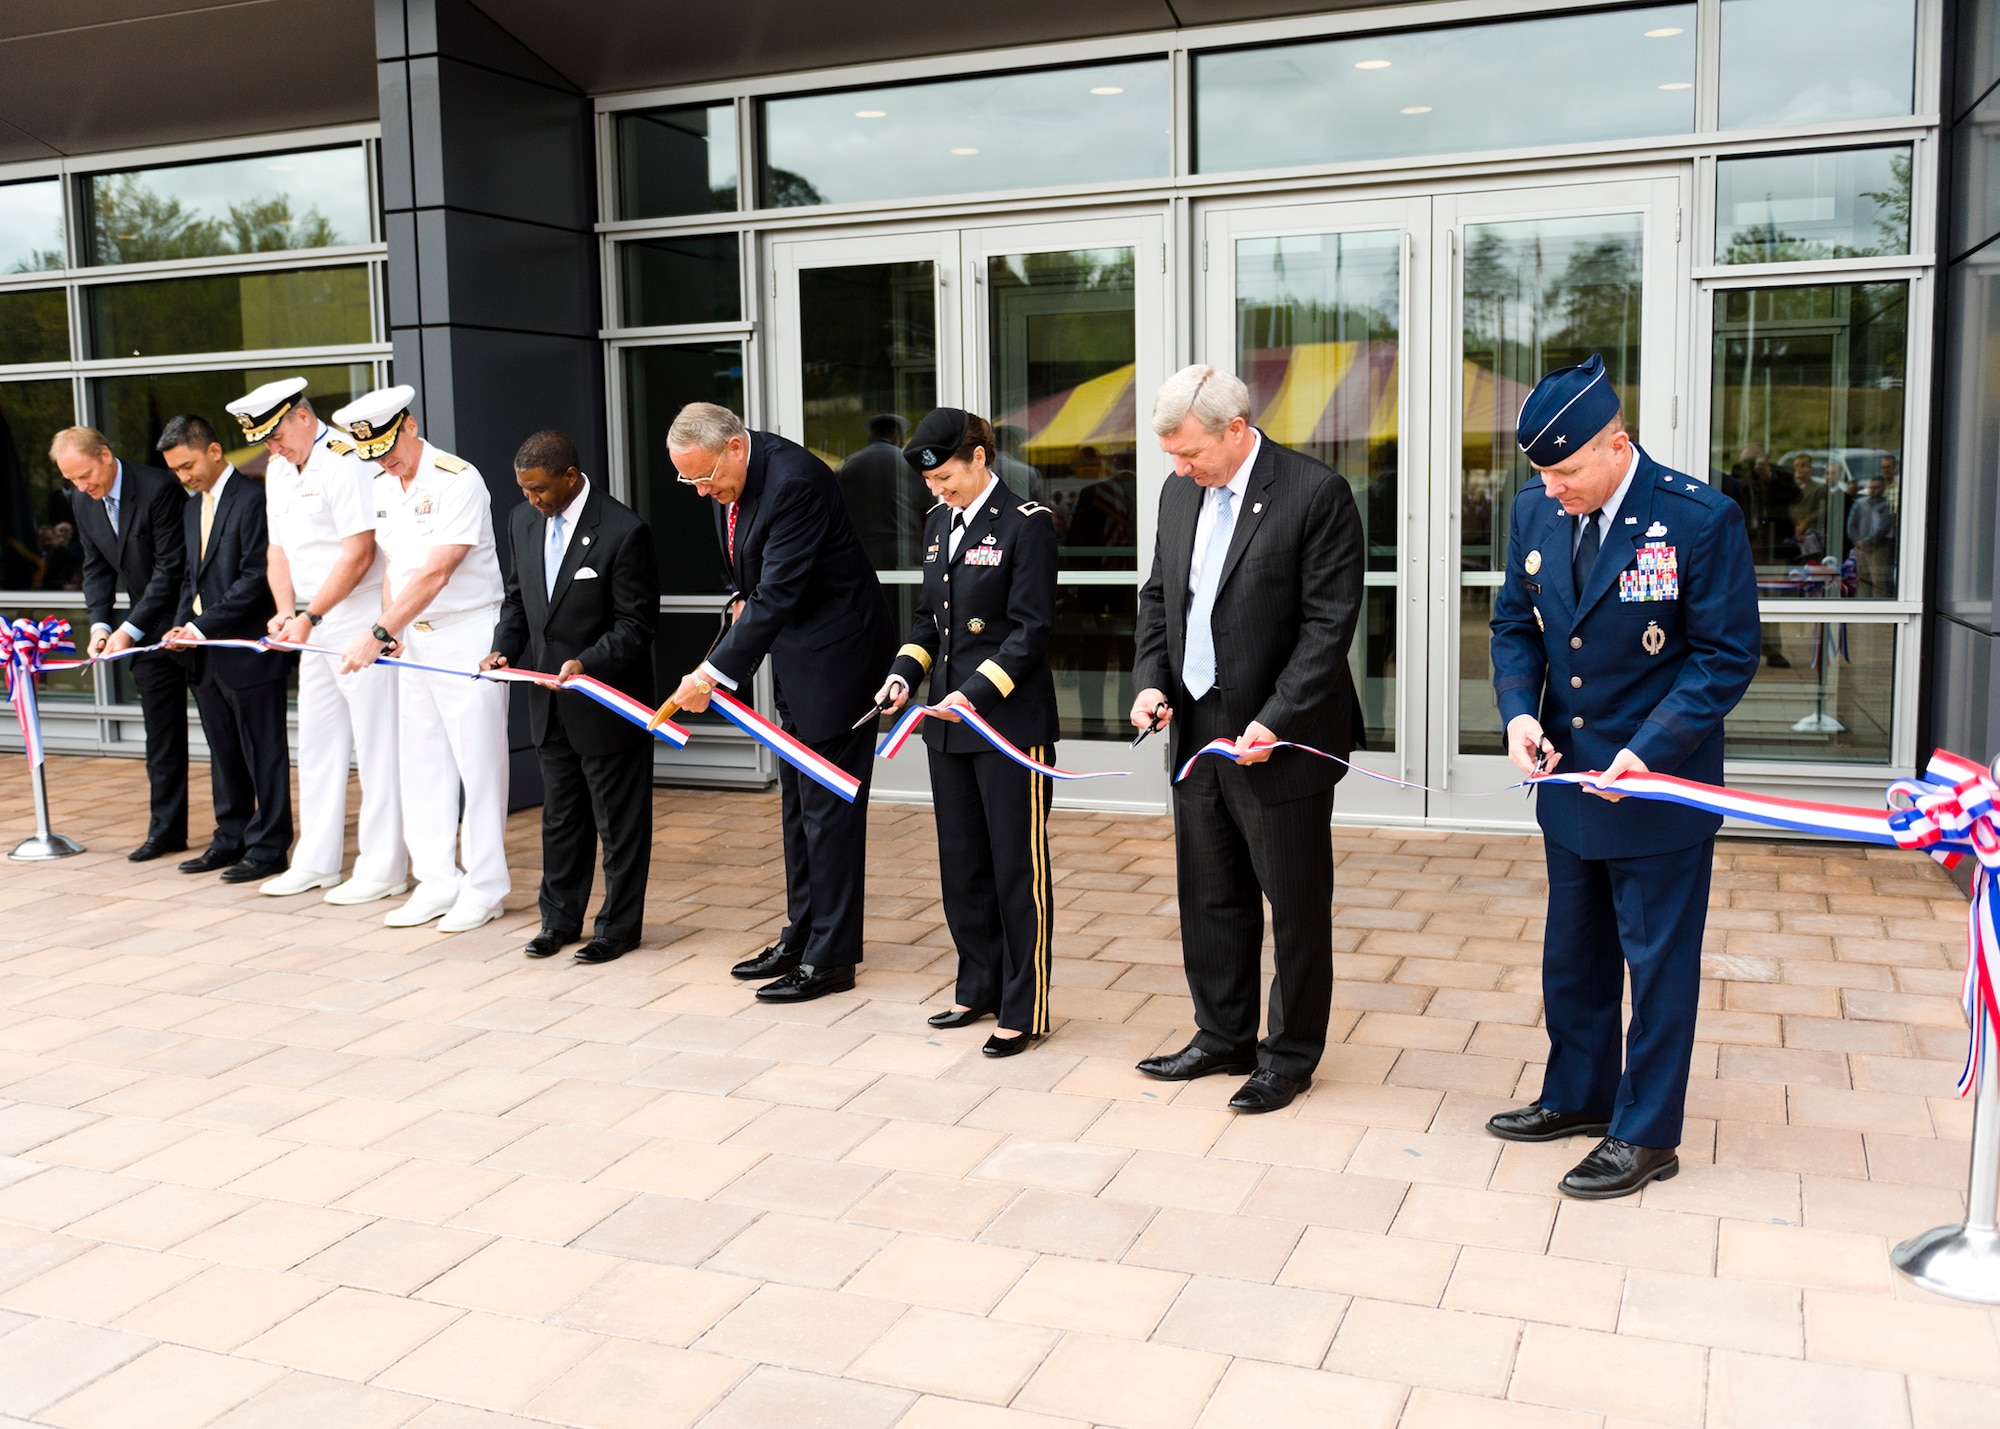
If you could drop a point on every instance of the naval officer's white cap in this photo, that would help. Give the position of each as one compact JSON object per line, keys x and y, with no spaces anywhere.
{"x":261,"y":410}
{"x":375,"y":419}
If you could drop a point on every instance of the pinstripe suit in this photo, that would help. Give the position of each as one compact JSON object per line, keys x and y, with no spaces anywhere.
{"x":1285,"y":613}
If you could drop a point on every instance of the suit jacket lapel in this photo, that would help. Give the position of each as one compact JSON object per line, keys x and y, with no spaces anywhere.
{"x":1635,"y":516}
{"x":579,"y":546}
{"x":1556,"y":535}
{"x":1250,"y":512}
{"x":534,"y":570}
{"x":224,"y":504}
{"x":128,"y":499}
{"x":746,"y":506}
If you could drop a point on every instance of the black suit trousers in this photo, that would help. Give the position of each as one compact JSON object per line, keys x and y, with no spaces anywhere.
{"x":162,"y":680}
{"x":588,"y":801}
{"x":999,"y":896}
{"x":826,"y":852}
{"x":249,"y":770}
{"x":1232,"y":850}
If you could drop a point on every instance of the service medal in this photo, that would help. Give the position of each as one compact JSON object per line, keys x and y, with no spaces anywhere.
{"x":1533,"y":563}
{"x":1654,"y":639}
{"x":975,"y":625}
{"x":1540,"y":624}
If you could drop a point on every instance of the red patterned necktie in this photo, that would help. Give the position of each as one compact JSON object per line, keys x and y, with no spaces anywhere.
{"x":732,"y":533}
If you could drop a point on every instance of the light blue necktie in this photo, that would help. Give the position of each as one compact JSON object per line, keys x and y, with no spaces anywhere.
{"x":111,"y":510}
{"x":552,"y":562}
{"x":1198,"y":670}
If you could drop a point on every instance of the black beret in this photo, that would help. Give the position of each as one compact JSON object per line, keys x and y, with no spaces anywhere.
{"x":935,"y":440}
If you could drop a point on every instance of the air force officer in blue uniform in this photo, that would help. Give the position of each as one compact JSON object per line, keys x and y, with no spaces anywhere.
{"x":1625,"y":632}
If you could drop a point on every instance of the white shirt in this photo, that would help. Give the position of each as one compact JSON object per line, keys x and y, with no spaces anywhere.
{"x":439,"y":507}
{"x":960,"y":521}
{"x":1205,"y":522}
{"x":1609,"y":510}
{"x":568,"y":516}
{"x":312,"y":509}
{"x":117,"y":494}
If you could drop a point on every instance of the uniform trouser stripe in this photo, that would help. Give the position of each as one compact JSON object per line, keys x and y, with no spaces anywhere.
{"x":992,"y":825}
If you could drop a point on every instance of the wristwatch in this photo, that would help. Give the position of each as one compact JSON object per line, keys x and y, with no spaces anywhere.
{"x":382,"y":635}
{"x":311,"y":619}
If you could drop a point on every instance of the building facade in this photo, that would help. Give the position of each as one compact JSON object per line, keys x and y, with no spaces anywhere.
{"x":1767,"y":215}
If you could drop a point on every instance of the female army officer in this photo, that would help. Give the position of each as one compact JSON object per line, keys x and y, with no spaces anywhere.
{"x":982,"y":635}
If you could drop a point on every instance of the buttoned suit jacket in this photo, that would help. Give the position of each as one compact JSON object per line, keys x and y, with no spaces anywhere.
{"x":236,"y":601}
{"x":606,"y":620}
{"x":146,"y":554}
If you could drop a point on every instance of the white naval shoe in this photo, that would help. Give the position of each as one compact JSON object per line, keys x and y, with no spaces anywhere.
{"x":464,"y":917}
{"x":416,"y":912}
{"x":356,"y":890}
{"x":297,"y":880}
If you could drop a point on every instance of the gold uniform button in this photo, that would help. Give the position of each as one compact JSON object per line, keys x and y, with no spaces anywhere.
{"x":1576,"y":721}
{"x":1576,"y":642}
{"x":1576,"y":682}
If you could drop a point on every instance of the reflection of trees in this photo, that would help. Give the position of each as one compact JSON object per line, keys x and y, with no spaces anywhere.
{"x":1771,"y":244}
{"x":785,"y":189}
{"x":133,"y":224}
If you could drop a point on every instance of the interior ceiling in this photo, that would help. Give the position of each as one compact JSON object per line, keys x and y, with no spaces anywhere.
{"x":87,"y":76}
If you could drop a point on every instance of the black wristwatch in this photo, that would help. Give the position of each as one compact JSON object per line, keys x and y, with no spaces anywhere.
{"x":311,"y":619}
{"x":382,"y":635}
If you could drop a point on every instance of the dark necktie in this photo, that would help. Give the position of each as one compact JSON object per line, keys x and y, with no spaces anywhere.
{"x":958,"y":525}
{"x":1586,"y":552}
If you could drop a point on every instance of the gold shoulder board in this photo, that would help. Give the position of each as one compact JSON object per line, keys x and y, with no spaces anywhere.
{"x":1029,"y":508}
{"x":451,"y":463}
{"x":339,"y":448}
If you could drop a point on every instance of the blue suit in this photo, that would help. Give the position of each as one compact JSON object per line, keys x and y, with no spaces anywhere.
{"x":1628,"y":662}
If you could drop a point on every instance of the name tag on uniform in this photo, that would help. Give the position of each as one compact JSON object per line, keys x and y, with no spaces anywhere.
{"x":983,"y":556}
{"x":931,"y":554}
{"x":1655,"y":576}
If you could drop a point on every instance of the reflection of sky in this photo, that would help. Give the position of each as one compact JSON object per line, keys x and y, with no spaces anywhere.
{"x":333,"y":181}
{"x":1818,"y":198}
{"x":31,"y":222}
{"x":1561,"y":80}
{"x":1809,"y":61}
{"x":1023,"y":130}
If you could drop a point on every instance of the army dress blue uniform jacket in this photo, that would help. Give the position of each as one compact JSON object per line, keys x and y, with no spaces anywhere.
{"x":1633,"y":662}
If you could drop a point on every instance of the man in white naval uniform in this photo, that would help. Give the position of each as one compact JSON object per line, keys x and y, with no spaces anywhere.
{"x":440,"y":598}
{"x":325,"y":572}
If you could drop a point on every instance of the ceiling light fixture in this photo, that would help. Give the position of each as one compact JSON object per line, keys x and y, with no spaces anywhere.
{"x":1109,"y":89}
{"x":871,"y":114}
{"x":965,"y":151}
{"x":1372,"y":64}
{"x":1678,"y":84}
{"x":1666,"y":33}
{"x":1418,"y":109}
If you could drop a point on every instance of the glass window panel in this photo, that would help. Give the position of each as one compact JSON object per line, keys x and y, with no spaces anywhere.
{"x":678,"y":160}
{"x":1961,"y":672}
{"x":1064,"y":367}
{"x":1796,"y":208}
{"x":1445,"y":91}
{"x":659,"y":381}
{"x":260,"y":204}
{"x":681,"y":642}
{"x":1806,"y":417}
{"x":1978,"y":52}
{"x":1539,"y":294}
{"x":68,"y":687}
{"x":1824,"y":694}
{"x":680,"y":280}
{"x":1090,"y":654}
{"x":1090,"y":124}
{"x":38,"y":549}
{"x":1811,"y":61}
{"x":232,"y":312}
{"x":868,"y":350}
{"x":31,"y":226}
{"x":34,"y":325}
{"x":133,"y":411}
{"x":1968,"y":524}
{"x":1975,"y":205}
{"x":1318,"y":325}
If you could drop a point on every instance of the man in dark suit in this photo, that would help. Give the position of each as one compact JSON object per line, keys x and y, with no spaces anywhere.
{"x":240,"y":693}
{"x":1642,"y":681}
{"x":129,"y":521}
{"x":806,"y":595}
{"x":1243,"y":633}
{"x":582,"y":599}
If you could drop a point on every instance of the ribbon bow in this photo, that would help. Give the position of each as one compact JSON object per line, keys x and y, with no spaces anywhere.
{"x":23,"y":643}
{"x":1949,"y":814}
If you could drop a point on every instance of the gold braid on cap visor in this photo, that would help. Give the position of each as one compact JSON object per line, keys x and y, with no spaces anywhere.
{"x":256,"y":429}
{"x":370,"y":441}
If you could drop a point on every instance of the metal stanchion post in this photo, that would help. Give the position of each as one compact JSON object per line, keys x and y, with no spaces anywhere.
{"x":45,"y":844}
{"x":1964,"y":1261}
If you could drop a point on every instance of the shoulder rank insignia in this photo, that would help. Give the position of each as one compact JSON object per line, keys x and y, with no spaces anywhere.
{"x":1029,"y":508}
{"x":339,"y":448}
{"x":451,"y":463}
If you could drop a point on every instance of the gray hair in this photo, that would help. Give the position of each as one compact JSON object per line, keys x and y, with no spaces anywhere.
{"x":1213,"y":397}
{"x":706,"y":426}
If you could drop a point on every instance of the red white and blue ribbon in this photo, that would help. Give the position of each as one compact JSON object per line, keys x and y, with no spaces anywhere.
{"x":794,"y":751}
{"x":22,"y":645}
{"x":906,"y":725}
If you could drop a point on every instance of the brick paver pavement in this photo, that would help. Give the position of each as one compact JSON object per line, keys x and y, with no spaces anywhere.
{"x":268,"y":1162}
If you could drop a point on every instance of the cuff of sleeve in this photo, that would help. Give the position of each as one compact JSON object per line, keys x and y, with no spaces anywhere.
{"x":906,"y":670}
{"x":131,"y":631}
{"x":98,"y":627}
{"x":710,"y":673}
{"x":1513,"y":704}
{"x":192,"y":629}
{"x":1002,"y":681}
{"x":1656,"y":745}
{"x":917,"y":653}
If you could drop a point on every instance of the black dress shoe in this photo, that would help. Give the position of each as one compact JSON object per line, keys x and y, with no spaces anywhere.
{"x":769,"y":963}
{"x":804,"y":983}
{"x":254,"y":870}
{"x":605,"y":950}
{"x":155,"y":848}
{"x":209,"y":860}
{"x":1191,"y":1062}
{"x":548,"y":942}
{"x":1537,"y":1123}
{"x":1618,"y":1168}
{"x":1267,"y":1091}
{"x":952,"y":1018}
{"x":998,"y":1046}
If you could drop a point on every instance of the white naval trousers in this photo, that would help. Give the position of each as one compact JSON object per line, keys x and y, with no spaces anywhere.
{"x":454,"y":737}
{"x":342,"y":717}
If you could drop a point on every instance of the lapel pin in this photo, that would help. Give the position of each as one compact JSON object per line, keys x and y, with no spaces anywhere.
{"x":1254,"y":510}
{"x":586,"y":540}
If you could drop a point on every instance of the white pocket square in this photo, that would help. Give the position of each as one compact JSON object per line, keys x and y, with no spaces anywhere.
{"x":585,"y":574}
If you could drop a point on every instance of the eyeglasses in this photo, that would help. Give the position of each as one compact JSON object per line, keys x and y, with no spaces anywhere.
{"x":686,"y":480}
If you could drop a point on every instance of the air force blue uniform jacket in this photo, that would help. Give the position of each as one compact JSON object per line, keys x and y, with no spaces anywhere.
{"x":1635,"y":659}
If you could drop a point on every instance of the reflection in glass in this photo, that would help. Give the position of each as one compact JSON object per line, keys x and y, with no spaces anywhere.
{"x":679,"y":160}
{"x":680,"y":280}
{"x":659,"y":381}
{"x":1975,"y":149}
{"x":262,"y":204}
{"x":1795,"y":208}
{"x":868,"y":353}
{"x":133,"y":411}
{"x":1445,"y":91}
{"x":1539,"y":294}
{"x":680,"y":642}
{"x":1806,"y":424}
{"x":34,"y":325}
{"x":1090,"y":124}
{"x":1064,"y":365}
{"x":38,"y":548}
{"x":1090,"y":652}
{"x":1967,"y":491}
{"x":1317,"y":338}
{"x":1830,"y":701}
{"x":1810,"y":61}
{"x":233,"y":312}
{"x":31,"y":226}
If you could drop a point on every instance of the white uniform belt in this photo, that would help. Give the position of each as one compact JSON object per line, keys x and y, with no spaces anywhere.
{"x":432,"y":622}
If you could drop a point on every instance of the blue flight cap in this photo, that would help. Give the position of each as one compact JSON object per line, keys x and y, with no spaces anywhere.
{"x":1567,"y":408}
